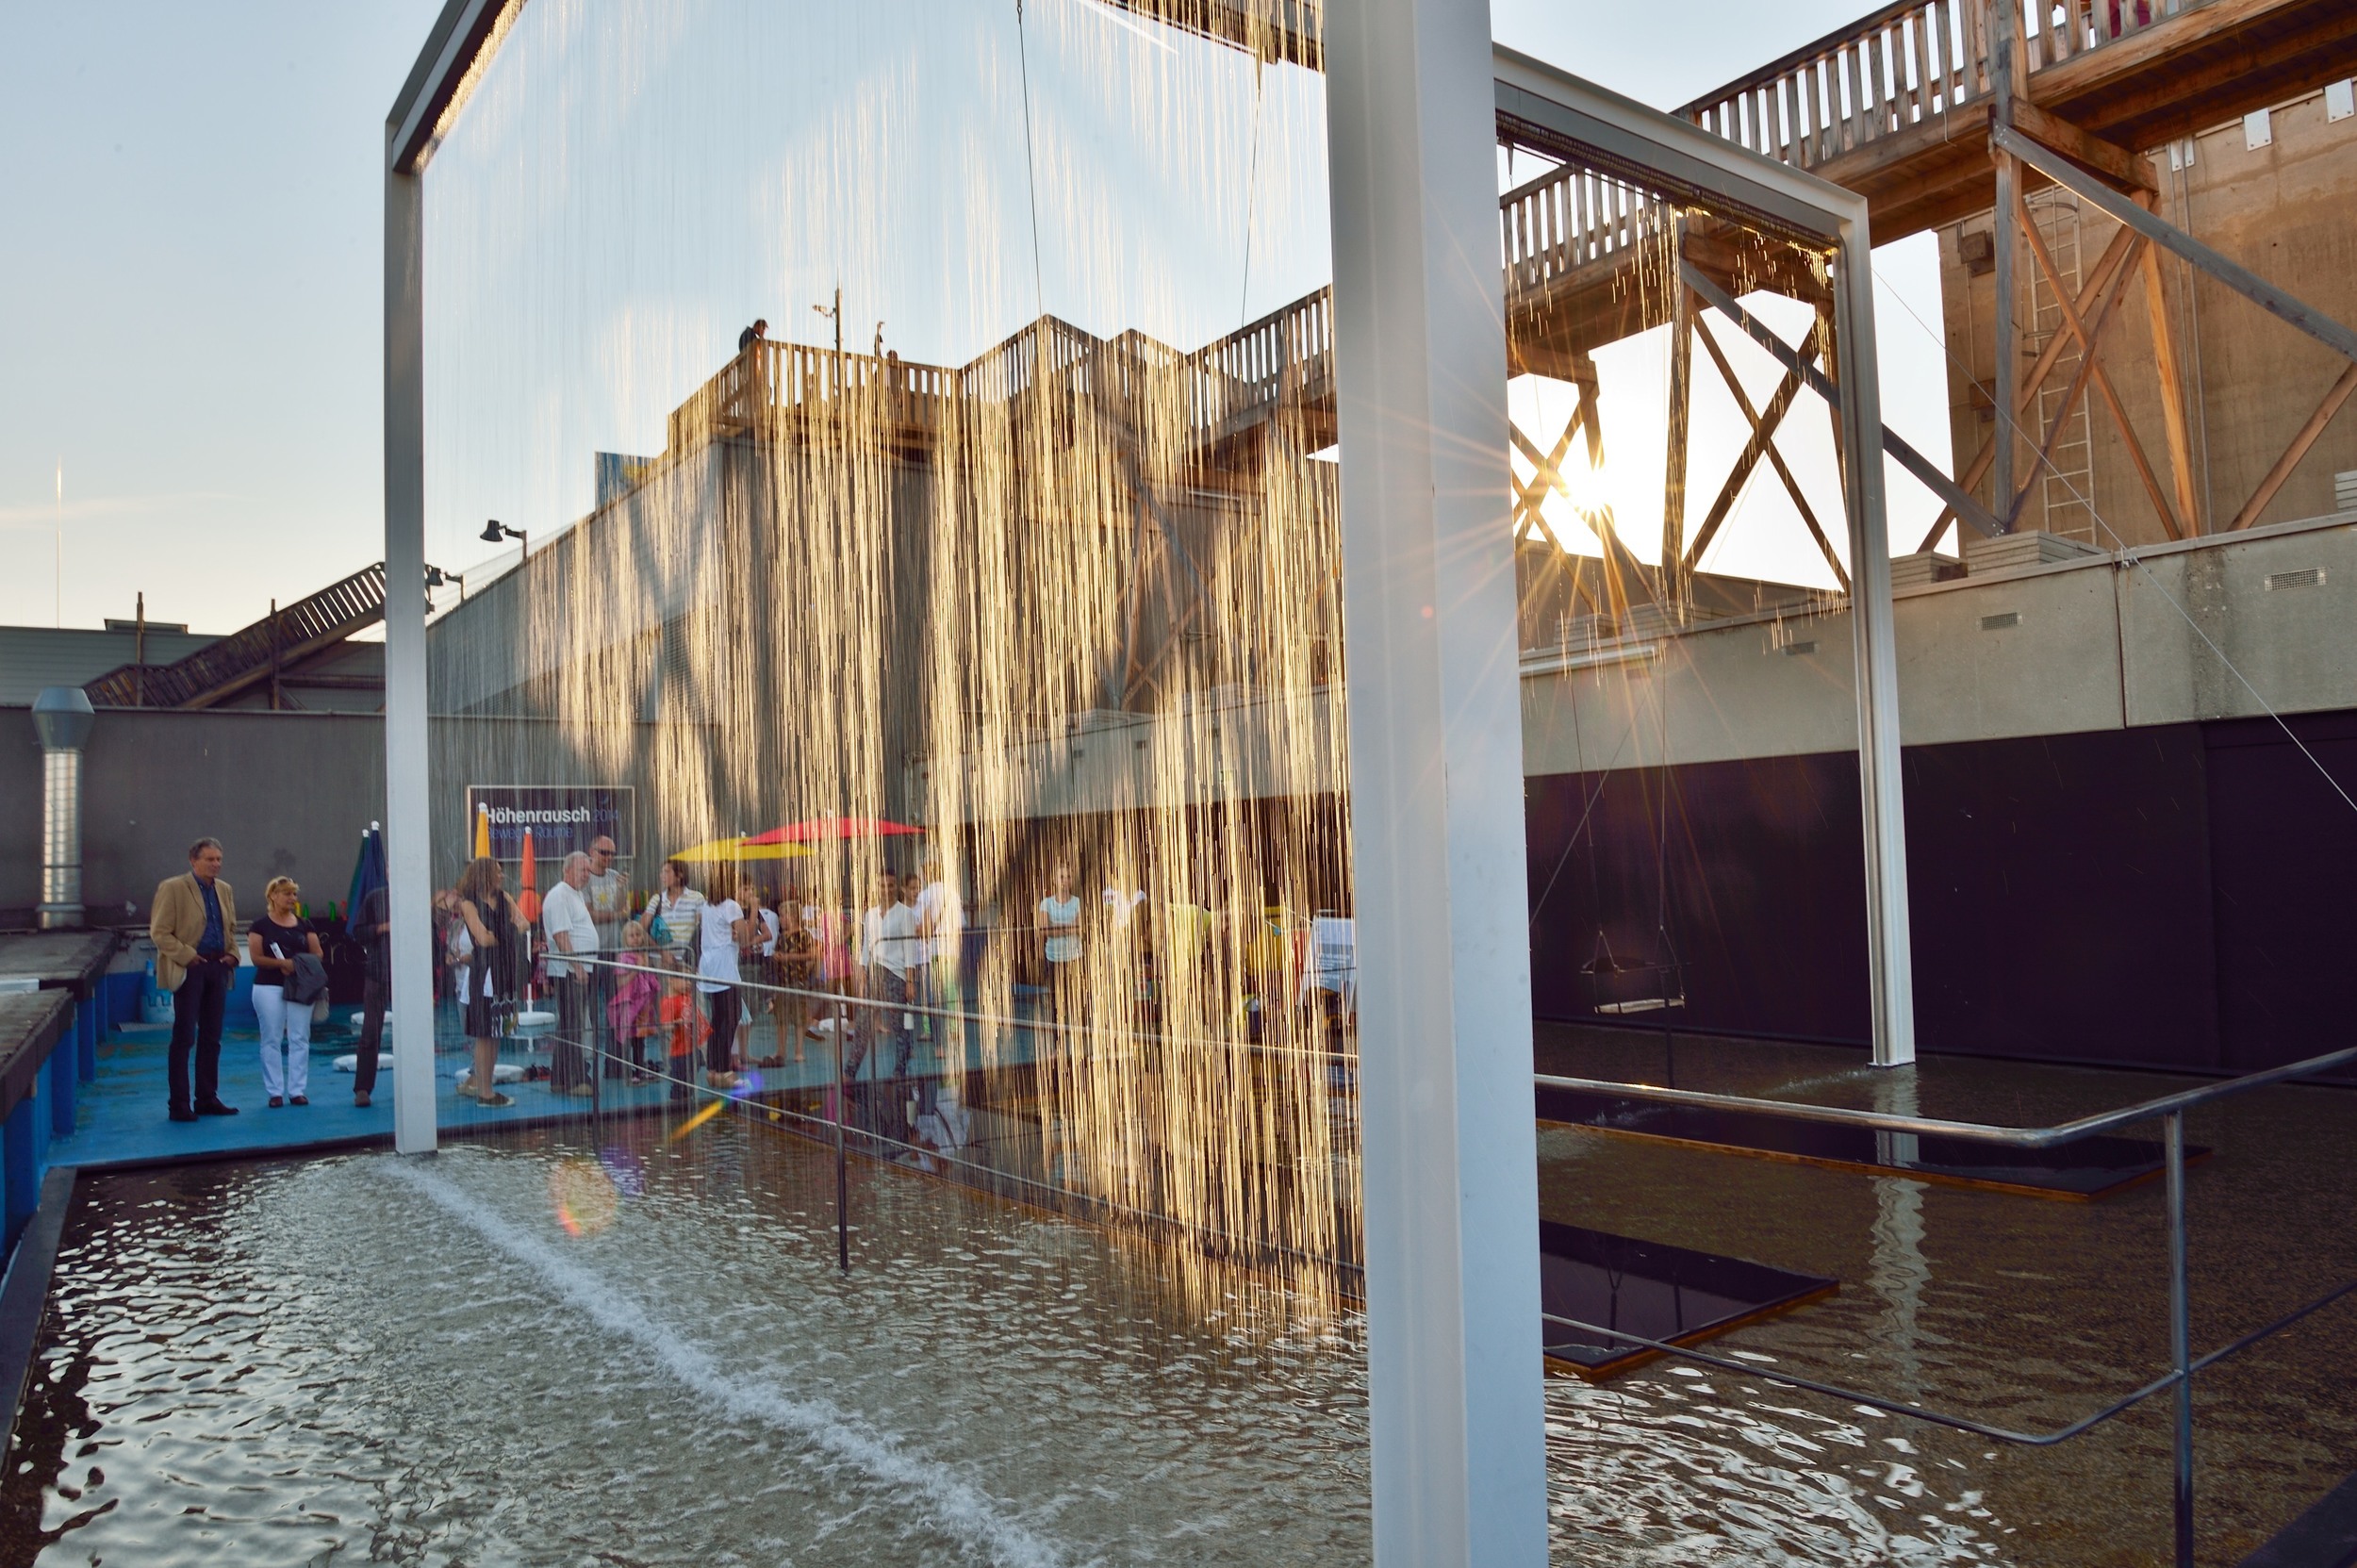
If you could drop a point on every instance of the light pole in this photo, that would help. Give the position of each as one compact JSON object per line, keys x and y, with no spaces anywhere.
{"x":834,"y":313}
{"x":494,"y":530}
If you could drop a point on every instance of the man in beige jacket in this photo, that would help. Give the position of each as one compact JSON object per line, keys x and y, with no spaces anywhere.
{"x":194,"y":925}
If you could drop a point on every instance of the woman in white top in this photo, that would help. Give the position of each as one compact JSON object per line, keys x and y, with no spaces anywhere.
{"x":1060,"y":937}
{"x":727,"y":932}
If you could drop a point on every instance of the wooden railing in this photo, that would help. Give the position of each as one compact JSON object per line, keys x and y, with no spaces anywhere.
{"x":1551,"y":228}
{"x":1572,"y":218}
{"x":1905,"y":64}
{"x":1287,"y":355}
{"x":227,"y":666}
{"x":770,"y":379}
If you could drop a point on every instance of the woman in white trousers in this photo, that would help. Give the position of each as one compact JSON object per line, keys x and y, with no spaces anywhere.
{"x":274,"y":940}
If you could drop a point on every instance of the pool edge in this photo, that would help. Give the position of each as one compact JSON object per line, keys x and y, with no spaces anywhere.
{"x":24,"y":1290}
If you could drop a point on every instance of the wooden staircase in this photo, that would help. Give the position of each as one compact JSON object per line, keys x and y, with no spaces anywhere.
{"x":243,"y":659}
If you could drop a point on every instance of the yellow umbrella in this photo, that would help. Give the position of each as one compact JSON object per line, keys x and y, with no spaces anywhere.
{"x":730,"y":850}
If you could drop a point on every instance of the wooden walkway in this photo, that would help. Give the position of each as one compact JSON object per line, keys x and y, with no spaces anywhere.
{"x":1896,"y":107}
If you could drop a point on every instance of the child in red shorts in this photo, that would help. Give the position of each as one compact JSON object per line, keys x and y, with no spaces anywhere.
{"x":684,"y":1031}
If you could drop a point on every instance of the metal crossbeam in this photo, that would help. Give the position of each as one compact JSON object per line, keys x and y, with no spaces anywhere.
{"x":2241,"y":279}
{"x":1909,"y":459}
{"x":1763,"y":429}
{"x":1763,"y":438}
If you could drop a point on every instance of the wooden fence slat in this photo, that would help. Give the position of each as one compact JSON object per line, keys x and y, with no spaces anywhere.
{"x":1919,"y":29}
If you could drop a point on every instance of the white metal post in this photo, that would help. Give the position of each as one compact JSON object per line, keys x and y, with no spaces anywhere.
{"x":1450,"y":1150}
{"x":408,"y":862}
{"x":1889,"y":940}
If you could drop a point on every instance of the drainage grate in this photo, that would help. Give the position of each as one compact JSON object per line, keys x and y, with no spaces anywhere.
{"x":1999,"y":622}
{"x":2306,"y":577}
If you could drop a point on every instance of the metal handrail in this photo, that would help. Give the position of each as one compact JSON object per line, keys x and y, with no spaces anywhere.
{"x":2169,"y":1109}
{"x":1987,"y":1132}
{"x":926,"y":1010}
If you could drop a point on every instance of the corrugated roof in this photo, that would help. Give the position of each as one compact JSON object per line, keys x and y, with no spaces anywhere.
{"x":32,"y":657}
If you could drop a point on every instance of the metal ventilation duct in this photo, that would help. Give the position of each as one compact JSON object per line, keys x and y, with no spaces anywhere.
{"x":63,"y":717}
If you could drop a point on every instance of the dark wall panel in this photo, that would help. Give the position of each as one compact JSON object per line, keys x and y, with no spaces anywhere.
{"x":2283,"y":856}
{"x":1747,"y":874}
{"x":2060,"y":888}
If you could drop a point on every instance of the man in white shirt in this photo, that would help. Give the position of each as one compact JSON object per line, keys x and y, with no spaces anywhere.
{"x":566,"y":921}
{"x":891,"y":950}
{"x":608,"y":897}
{"x":607,"y":892}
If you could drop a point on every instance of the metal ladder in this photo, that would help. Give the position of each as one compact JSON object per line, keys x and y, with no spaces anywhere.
{"x":2066,"y":482}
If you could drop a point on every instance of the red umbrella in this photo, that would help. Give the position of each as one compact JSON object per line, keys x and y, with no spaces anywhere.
{"x":819,"y":829}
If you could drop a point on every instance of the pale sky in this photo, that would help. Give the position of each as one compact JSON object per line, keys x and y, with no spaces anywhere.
{"x":191,"y":320}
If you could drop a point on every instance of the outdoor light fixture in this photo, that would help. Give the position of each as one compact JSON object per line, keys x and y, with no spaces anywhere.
{"x":436,"y":578}
{"x":495,"y":531}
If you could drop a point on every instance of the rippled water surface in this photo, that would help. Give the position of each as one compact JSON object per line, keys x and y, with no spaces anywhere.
{"x":522,"y":1355}
{"x":2022,"y":1311}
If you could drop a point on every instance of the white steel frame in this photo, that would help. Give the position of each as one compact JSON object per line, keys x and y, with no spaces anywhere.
{"x":1683,"y":161}
{"x":1415,"y":90}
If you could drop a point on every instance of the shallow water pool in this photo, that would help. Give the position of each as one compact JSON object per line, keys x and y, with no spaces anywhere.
{"x":555,"y":1352}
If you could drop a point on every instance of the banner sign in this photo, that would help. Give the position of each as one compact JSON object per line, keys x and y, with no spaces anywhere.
{"x":562,"y":818}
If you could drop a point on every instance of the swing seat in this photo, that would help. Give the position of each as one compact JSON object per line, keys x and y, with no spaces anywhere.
{"x":1619,"y":986}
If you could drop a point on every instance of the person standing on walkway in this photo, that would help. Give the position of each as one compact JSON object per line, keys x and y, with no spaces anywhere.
{"x":375,"y":929}
{"x":797,"y":969}
{"x":1059,"y":940}
{"x":274,"y":941}
{"x":892,"y":951}
{"x":728,"y":930}
{"x":672,"y":915}
{"x":195,"y":920}
{"x":571,"y":930}
{"x":608,"y":894}
{"x":496,"y":929}
{"x":940,"y":920}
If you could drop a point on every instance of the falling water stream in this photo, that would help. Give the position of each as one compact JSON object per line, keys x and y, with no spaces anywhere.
{"x":1027,"y":540}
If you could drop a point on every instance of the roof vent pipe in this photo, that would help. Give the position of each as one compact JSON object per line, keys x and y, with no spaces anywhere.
{"x":62,"y":716}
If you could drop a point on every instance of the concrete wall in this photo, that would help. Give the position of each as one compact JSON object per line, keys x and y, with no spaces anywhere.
{"x":2069,"y":648}
{"x":287,"y":793}
{"x":2287,"y":211}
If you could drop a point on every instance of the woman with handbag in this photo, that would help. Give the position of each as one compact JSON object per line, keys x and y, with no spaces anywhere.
{"x":674,"y":919}
{"x":275,"y":941}
{"x":496,"y":926}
